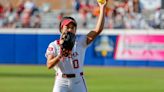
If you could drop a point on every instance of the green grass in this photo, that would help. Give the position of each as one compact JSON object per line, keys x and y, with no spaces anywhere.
{"x":17,"y":78}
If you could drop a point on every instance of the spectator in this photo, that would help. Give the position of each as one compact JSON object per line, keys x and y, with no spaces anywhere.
{"x":46,"y":7}
{"x":25,"y":19}
{"x":1,"y":15}
{"x":30,"y":6}
{"x":117,"y":18}
{"x":37,"y":21}
{"x":76,"y":5}
{"x":9,"y":15}
{"x":1,"y":9}
{"x":20,"y":7}
{"x":60,"y":16}
{"x":85,"y":9}
{"x":137,"y":6}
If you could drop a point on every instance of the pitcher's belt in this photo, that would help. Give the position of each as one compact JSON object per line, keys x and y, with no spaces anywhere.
{"x":70,"y":75}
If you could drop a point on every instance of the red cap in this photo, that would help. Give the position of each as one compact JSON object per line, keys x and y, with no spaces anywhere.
{"x":66,"y":22}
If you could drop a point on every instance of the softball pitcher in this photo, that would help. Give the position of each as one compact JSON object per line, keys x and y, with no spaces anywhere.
{"x":66,"y":55}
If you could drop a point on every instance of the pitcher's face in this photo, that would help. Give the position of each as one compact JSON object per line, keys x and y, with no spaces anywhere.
{"x":69,"y":28}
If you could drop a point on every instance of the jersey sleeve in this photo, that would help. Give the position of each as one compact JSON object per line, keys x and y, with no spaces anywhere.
{"x":83,"y":41}
{"x":50,"y":50}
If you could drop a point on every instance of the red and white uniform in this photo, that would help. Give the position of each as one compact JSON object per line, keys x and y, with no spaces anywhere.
{"x":73,"y":64}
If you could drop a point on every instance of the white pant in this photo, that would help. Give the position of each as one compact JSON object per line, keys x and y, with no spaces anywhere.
{"x":76,"y":84}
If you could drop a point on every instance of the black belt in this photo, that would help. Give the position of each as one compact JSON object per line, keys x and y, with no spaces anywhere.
{"x":70,"y":75}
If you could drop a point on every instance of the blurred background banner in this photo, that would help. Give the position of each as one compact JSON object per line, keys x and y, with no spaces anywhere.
{"x":111,"y":48}
{"x":140,"y":47}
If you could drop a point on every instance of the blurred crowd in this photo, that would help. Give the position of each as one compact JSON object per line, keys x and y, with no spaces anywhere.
{"x":24,"y":15}
{"x":128,"y":14}
{"x":120,"y":14}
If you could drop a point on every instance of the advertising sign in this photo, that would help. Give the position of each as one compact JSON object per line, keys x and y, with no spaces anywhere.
{"x":104,"y":46}
{"x":140,"y":47}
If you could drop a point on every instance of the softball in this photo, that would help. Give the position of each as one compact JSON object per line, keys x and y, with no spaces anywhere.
{"x":101,"y":1}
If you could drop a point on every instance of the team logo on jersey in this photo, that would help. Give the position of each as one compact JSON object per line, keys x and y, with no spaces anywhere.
{"x":74,"y":54}
{"x":104,"y":46}
{"x":50,"y":49}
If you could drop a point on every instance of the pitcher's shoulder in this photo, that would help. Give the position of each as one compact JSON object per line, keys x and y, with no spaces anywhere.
{"x":54,"y":43}
{"x":82,"y":40}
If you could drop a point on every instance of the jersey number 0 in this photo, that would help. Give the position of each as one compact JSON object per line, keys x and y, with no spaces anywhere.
{"x":76,"y":64}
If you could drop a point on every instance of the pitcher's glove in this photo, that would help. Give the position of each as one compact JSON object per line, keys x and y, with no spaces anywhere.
{"x":67,"y":42}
